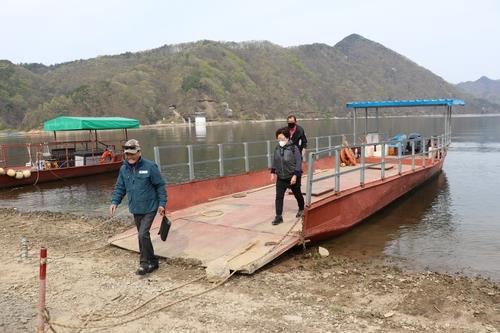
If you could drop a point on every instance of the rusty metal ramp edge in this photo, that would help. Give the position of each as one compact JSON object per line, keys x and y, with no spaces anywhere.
{"x":241,"y":249}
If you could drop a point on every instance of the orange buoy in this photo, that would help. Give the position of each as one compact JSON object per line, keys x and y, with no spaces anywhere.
{"x":106,"y":157}
{"x":350,"y":157}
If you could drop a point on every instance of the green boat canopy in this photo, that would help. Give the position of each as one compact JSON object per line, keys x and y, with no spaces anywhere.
{"x":89,"y":123}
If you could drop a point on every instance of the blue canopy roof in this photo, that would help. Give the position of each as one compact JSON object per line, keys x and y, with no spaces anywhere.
{"x":404,"y":103}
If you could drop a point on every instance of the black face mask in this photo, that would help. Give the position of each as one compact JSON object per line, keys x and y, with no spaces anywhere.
{"x":291,"y":125}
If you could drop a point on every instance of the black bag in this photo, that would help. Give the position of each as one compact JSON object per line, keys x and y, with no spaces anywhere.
{"x":164,"y":228}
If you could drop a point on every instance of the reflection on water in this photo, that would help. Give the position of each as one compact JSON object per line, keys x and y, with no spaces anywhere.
{"x":448,"y":224}
{"x":200,"y":130}
{"x":372,"y":236}
{"x":78,"y":195}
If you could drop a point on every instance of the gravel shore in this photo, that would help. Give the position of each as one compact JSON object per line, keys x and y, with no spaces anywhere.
{"x":91,"y":287}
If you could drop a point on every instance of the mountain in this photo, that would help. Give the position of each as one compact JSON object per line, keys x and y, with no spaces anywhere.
{"x":482,"y":88}
{"x":256,"y":80}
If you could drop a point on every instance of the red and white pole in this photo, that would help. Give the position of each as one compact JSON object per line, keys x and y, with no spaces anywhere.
{"x":40,"y":325}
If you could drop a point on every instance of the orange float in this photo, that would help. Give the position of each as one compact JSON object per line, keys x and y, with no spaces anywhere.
{"x":106,"y":157}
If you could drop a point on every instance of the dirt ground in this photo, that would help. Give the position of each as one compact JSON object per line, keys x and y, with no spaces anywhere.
{"x":91,"y":284}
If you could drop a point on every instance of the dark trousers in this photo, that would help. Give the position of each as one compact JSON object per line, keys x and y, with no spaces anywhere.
{"x":281,"y":186}
{"x":143,"y":223}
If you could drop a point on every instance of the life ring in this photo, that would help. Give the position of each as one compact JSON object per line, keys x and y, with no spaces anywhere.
{"x":106,"y":157}
{"x":343,"y":157}
{"x":348,"y":157}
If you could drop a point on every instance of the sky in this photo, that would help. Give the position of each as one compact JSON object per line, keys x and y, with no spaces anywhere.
{"x":458,"y":40}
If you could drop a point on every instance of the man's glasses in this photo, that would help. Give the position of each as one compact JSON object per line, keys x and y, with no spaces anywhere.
{"x":129,"y":147}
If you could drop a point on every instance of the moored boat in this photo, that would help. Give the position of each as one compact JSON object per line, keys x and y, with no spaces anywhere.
{"x":61,"y":159}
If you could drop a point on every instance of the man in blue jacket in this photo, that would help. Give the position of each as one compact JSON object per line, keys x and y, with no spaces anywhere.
{"x":141,"y":180}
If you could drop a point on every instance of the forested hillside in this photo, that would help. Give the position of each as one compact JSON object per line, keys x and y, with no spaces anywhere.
{"x":256,"y":80}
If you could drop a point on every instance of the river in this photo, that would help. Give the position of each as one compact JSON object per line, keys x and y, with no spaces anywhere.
{"x":450,"y":224}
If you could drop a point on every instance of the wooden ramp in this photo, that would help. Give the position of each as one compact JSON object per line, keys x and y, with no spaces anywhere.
{"x":235,"y":229}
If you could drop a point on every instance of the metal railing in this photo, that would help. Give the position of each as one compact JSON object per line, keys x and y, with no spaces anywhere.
{"x":256,"y":155}
{"x":433,"y":147}
{"x":253,"y":155}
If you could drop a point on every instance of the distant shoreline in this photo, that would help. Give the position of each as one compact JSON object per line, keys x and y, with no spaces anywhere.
{"x":9,"y":132}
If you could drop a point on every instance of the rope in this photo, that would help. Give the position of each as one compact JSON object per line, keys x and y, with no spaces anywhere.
{"x":212,"y":213}
{"x":151,"y":299}
{"x":144,"y":314}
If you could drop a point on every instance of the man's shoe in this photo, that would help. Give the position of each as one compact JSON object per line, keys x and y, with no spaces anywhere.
{"x":152,"y":267}
{"x":142,"y":270}
{"x":278,"y":220}
{"x":300,"y":213}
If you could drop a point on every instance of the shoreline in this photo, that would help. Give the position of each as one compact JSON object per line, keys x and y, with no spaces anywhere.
{"x":13,"y":132}
{"x":295,"y":293}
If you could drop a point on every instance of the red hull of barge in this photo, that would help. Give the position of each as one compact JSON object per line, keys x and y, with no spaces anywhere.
{"x":332,"y":214}
{"x":337,"y":213}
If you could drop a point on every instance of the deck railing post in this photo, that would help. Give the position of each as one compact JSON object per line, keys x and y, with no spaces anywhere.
{"x":382,"y":164}
{"x":362,"y":170}
{"x":329,"y":145}
{"x":190,"y":162}
{"x":310,"y":170}
{"x":442,"y":145}
{"x":317,"y":143}
{"x":413,"y":154}
{"x":423,"y":152}
{"x":221,"y":159}
{"x":337,"y":170}
{"x":157,"y":157}
{"x":400,"y":166}
{"x":269,"y":161}
{"x":432,"y":149}
{"x":247,"y":163}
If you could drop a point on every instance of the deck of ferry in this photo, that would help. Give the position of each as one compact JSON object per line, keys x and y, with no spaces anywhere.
{"x":237,"y":228}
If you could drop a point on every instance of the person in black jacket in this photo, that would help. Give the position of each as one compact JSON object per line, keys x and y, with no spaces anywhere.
{"x":297,"y":135}
{"x":287,"y":166}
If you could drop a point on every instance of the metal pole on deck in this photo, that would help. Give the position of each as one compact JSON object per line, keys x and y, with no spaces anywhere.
{"x":337,"y":170}
{"x":399,"y":157}
{"x":366,"y":121}
{"x":247,"y":164}
{"x":329,"y":145}
{"x":362,"y":170}
{"x":413,"y":154}
{"x":221,"y":159}
{"x":423,"y":152}
{"x":317,"y":143}
{"x":157,"y":157}
{"x":269,"y":161}
{"x":310,"y":170}
{"x":96,"y":146}
{"x":354,"y":126}
{"x":40,"y":322}
{"x":190,"y":162}
{"x":382,"y":164}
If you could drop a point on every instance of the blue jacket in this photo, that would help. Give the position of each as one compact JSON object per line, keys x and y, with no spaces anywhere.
{"x":144,"y":186}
